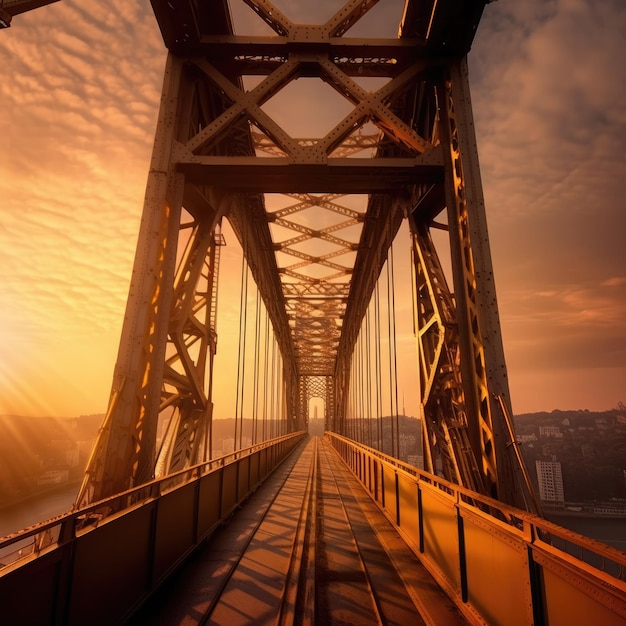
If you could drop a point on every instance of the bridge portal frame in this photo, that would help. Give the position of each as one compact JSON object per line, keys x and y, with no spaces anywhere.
{"x":205,"y":160}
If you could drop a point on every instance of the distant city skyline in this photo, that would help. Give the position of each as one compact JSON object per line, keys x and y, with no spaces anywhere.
{"x":79,"y":98}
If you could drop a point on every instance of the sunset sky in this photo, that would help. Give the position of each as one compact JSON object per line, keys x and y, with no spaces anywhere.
{"x":79,"y":92}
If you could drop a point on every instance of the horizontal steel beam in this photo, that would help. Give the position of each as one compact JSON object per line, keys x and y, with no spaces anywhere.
{"x":359,"y":176}
{"x":15,"y":7}
{"x":356,"y":57}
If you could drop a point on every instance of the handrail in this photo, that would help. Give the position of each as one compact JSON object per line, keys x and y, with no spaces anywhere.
{"x":512,"y":515}
{"x":90,"y":515}
{"x":549,"y":572}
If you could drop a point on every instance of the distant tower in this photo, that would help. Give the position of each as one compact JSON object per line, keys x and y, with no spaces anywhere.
{"x":550,"y":479}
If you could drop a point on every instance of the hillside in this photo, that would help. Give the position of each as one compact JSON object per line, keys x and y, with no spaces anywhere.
{"x":37,"y":453}
{"x":590,"y":446}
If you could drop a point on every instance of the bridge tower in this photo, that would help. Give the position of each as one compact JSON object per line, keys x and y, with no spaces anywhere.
{"x":407,"y":148}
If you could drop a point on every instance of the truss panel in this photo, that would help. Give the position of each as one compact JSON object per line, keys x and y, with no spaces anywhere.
{"x":405,"y":148}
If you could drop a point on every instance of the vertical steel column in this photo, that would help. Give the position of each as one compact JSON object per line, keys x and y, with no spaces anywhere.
{"x":302,"y":413}
{"x":482,"y":356}
{"x":124,"y":454}
{"x":446,"y":424}
{"x":330,"y":409}
{"x":341,"y":394}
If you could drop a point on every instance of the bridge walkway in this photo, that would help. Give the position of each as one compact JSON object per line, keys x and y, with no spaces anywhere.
{"x":308,"y":547}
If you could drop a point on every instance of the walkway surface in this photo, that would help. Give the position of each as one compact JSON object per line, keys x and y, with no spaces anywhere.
{"x":309,"y":547}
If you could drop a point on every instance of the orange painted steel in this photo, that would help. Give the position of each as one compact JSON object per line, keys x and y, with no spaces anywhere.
{"x":500,"y":565}
{"x":88,"y":567}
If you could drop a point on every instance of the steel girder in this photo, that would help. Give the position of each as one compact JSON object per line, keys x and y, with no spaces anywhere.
{"x":464,"y":387}
{"x":145,"y":377}
{"x":16,"y":7}
{"x":445,"y":418}
{"x":483,"y":364}
{"x":9,"y":8}
{"x":317,"y":387}
{"x":218,"y":151}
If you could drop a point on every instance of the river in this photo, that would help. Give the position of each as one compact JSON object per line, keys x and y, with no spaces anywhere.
{"x":608,"y":530}
{"x":37,"y":509}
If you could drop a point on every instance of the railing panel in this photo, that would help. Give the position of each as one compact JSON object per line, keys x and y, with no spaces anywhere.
{"x":112,"y":567}
{"x":494,"y":557}
{"x":263,"y":463}
{"x":20,"y":604}
{"x":409,"y":516}
{"x":576,"y":595}
{"x":243,"y":481}
{"x":175,"y":528}
{"x":378,"y":491}
{"x":209,"y":505}
{"x":389,"y":486}
{"x":229,"y":488}
{"x":254,"y":470}
{"x":274,"y":453}
{"x":441,"y":534}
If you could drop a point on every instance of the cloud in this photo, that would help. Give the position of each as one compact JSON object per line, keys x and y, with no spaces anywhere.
{"x":574,"y":326}
{"x":79,"y":102}
{"x":554,"y":104}
{"x":552,"y":138}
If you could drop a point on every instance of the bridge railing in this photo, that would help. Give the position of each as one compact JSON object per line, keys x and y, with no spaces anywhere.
{"x":97,"y":564}
{"x":500,"y":565}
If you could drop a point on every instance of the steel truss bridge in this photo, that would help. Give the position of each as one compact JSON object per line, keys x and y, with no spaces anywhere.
{"x":322,"y":519}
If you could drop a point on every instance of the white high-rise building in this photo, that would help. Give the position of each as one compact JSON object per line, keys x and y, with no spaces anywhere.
{"x":550,"y":479}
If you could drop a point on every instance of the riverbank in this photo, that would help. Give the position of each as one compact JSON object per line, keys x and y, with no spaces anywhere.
{"x":38,"y":494}
{"x":37,"y":508}
{"x":582,"y":515}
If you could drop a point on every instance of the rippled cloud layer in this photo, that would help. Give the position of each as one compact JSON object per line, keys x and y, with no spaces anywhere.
{"x":78,"y":105}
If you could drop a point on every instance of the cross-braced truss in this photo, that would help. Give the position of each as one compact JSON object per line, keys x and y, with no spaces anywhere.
{"x":321,"y":387}
{"x":403,"y":149}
